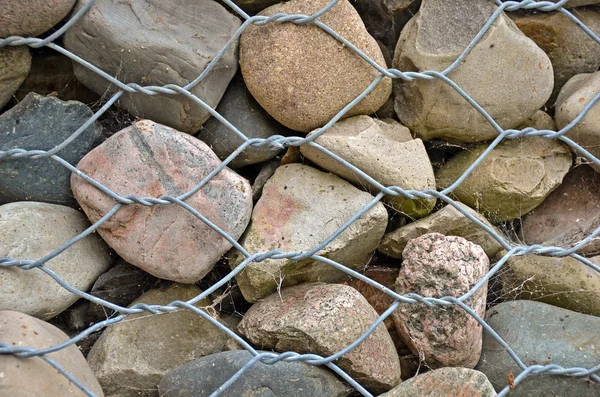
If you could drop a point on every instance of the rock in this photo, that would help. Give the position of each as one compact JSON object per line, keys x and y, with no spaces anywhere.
{"x":52,"y":75}
{"x":301,"y":207}
{"x":303,"y":76}
{"x":254,"y":6}
{"x":568,"y":215}
{"x":541,"y":334}
{"x":241,"y":110}
{"x":540,"y":120}
{"x":152,"y":160}
{"x":323,"y":319}
{"x":30,"y":231}
{"x":573,"y":97}
{"x":569,"y":48}
{"x":27,"y":377}
{"x":436,"y":266}
{"x":132,"y":356}
{"x":448,"y":221}
{"x":283,"y":379}
{"x":15,"y":63}
{"x":31,"y":17}
{"x":445,"y":382}
{"x":563,"y":282}
{"x":42,"y":123}
{"x":385,"y":151}
{"x":166,"y":43}
{"x":512,"y":180}
{"x":577,"y":3}
{"x":265,"y":173}
{"x":514,"y":76}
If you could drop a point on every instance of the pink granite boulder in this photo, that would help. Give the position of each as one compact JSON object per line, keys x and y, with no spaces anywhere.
{"x":151,"y":160}
{"x":435,"y":266}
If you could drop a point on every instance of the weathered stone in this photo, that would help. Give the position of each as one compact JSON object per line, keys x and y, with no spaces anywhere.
{"x":282,"y":379}
{"x":42,"y":123}
{"x":301,"y":207}
{"x":132,"y":356}
{"x":303,"y":76}
{"x":436,"y":266}
{"x":254,"y":6}
{"x":30,"y":231}
{"x":568,"y":46}
{"x":266,"y":172}
{"x":445,"y":382}
{"x":540,"y":120}
{"x":29,"y":377}
{"x":241,"y":110}
{"x":161,"y":42}
{"x":385,"y":151}
{"x":541,"y":334}
{"x":506,"y":72}
{"x":577,"y":3}
{"x":573,"y":98}
{"x":512,"y":180}
{"x":15,"y":63}
{"x":31,"y":17}
{"x":167,"y":241}
{"x":323,"y":319}
{"x":568,"y":215}
{"x":563,"y":282}
{"x":448,"y":221}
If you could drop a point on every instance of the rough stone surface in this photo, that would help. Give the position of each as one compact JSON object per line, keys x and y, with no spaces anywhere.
{"x":266,"y":172}
{"x":167,"y":241}
{"x":30,"y":377}
{"x":15,"y":63}
{"x":254,"y":6}
{"x":568,"y":215}
{"x":385,"y":151}
{"x":301,"y":207}
{"x":303,"y":76}
{"x":573,"y":97}
{"x":30,"y":230}
{"x":324,"y":319}
{"x":42,"y":123}
{"x":132,"y":356}
{"x":436,"y":266}
{"x":569,"y":48}
{"x":563,"y":282}
{"x":161,"y":42}
{"x":445,"y":382}
{"x":448,"y":221}
{"x":243,"y":112}
{"x":31,"y":17}
{"x":512,"y":180}
{"x":541,"y":334}
{"x":506,"y":72}
{"x":283,"y":379}
{"x":577,"y":3}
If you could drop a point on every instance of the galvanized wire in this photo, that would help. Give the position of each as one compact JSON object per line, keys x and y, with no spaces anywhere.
{"x":278,"y":141}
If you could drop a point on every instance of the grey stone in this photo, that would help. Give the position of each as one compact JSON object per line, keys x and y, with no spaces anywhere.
{"x":506,"y":72}
{"x":512,"y":180}
{"x":41,"y":123}
{"x":15,"y":63}
{"x":243,"y":112}
{"x":448,"y":221}
{"x":323,"y":319}
{"x":265,"y":173}
{"x":445,"y":382}
{"x":33,"y":377}
{"x":30,"y":230}
{"x":282,"y":379}
{"x":384,"y":150}
{"x":161,"y":42}
{"x":132,"y":356}
{"x":436,"y":266}
{"x":301,"y":207}
{"x":301,"y":75}
{"x":541,"y":334}
{"x":31,"y":17}
{"x":568,"y":215}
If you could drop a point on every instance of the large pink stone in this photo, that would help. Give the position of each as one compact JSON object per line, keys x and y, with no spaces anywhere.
{"x":151,"y":160}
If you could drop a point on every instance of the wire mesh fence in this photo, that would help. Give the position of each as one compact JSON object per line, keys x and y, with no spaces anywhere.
{"x":38,"y":264}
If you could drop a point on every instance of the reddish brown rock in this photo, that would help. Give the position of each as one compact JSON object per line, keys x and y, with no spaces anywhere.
{"x":435,"y":266}
{"x":152,"y":160}
{"x":324,"y":319}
